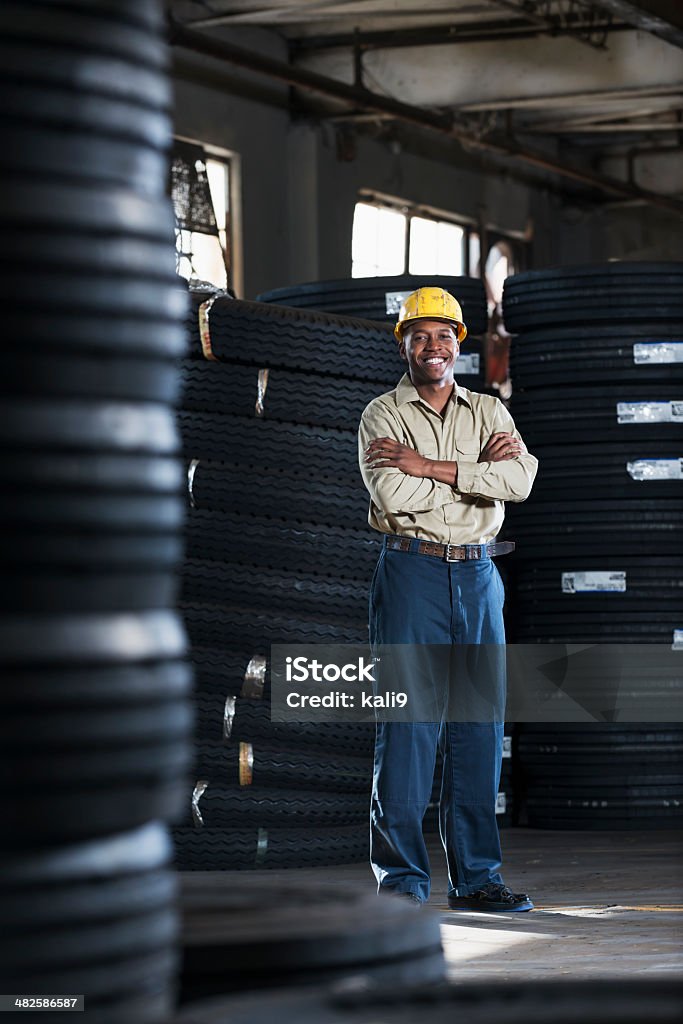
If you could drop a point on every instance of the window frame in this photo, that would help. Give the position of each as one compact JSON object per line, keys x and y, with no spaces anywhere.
{"x":411,"y":209}
{"x":488,"y":234}
{"x":233,"y":256}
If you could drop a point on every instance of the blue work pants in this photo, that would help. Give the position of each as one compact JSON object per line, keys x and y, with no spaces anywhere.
{"x":419,"y":599}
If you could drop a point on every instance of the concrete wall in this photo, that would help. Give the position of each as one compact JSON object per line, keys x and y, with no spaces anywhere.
{"x":622,"y":230}
{"x":624,"y":233}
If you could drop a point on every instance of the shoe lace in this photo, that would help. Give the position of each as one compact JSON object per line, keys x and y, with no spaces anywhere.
{"x":497,"y":890}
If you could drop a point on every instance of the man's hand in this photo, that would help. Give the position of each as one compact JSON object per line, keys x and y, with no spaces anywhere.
{"x":502,"y":446}
{"x":385,"y":451}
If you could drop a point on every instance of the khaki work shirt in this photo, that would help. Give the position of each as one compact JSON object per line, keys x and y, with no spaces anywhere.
{"x":472,"y":512}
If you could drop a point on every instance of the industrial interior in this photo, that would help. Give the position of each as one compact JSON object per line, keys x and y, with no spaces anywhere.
{"x":232,"y":232}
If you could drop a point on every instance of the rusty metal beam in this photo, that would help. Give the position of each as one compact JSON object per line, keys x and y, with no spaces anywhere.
{"x":622,"y":128}
{"x":525,"y":11}
{"x":589,"y":98}
{"x":299,"y":11}
{"x":579,"y":121}
{"x":266,"y":15}
{"x":568,"y":16}
{"x":441,"y":35}
{"x":364,"y":99}
{"x":662,"y":18}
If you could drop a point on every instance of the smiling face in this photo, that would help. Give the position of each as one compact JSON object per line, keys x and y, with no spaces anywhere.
{"x":430,"y":347}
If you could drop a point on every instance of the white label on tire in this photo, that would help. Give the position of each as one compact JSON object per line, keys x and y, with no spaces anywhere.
{"x":501,"y":804}
{"x":468,"y":363}
{"x":394,"y":301}
{"x":658,"y":352}
{"x":655,"y":469}
{"x":593,"y":582}
{"x":507,"y":746}
{"x":677,"y":644}
{"x":649,"y":412}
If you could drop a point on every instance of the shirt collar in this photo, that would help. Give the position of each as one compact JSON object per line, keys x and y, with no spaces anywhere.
{"x":407,"y":392}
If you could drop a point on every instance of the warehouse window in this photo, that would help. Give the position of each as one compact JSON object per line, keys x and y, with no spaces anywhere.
{"x":204,"y":194}
{"x":204,"y":255}
{"x":397,"y":238}
{"x":379,"y":241}
{"x":436,"y":247}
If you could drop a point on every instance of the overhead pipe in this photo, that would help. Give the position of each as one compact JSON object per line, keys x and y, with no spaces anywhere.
{"x":443,"y":35}
{"x":358,"y":96}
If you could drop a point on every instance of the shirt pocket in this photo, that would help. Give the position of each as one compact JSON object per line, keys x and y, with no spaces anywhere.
{"x":424,"y":441}
{"x":468,"y":449}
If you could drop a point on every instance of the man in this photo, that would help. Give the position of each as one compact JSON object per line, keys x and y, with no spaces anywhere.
{"x":439,"y":462}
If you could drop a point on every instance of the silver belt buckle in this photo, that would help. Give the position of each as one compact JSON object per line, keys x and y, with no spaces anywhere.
{"x":474,"y":552}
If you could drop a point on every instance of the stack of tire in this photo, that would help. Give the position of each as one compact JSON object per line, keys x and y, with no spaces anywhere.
{"x":617,"y":1000}
{"x":95,"y":711}
{"x":380,"y":298}
{"x":279,"y":551}
{"x":253,"y":936}
{"x":597,"y":368}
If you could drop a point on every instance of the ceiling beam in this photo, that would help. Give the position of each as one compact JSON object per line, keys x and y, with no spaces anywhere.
{"x":226,"y":81}
{"x":524,"y":11}
{"x":579,"y":12}
{"x":640,"y":112}
{"x":443,"y":35}
{"x":421,"y":117}
{"x":624,"y":128}
{"x":269,"y":12}
{"x":298,"y":11}
{"x":663,"y":18}
{"x":572,"y":99}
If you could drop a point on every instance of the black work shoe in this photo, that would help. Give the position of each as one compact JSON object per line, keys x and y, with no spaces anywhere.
{"x":492,"y":897}
{"x":410,"y":897}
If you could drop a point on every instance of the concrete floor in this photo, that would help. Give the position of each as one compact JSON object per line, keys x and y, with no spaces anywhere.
{"x":607,"y":904}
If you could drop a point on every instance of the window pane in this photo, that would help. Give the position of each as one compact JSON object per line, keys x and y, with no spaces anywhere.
{"x":183,"y":248}
{"x":217,"y":173}
{"x":449,"y":241}
{"x":378,"y":242}
{"x":363,"y":245}
{"x":436,"y":247}
{"x":208,"y":259}
{"x":391,"y":242}
{"x":423,"y":256}
{"x":203,"y":259}
{"x":363,"y":270}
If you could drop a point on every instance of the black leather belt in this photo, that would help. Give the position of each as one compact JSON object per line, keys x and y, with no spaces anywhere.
{"x":448,"y":552}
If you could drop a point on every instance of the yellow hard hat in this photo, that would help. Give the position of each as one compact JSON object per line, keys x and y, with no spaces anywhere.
{"x":430,"y":304}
